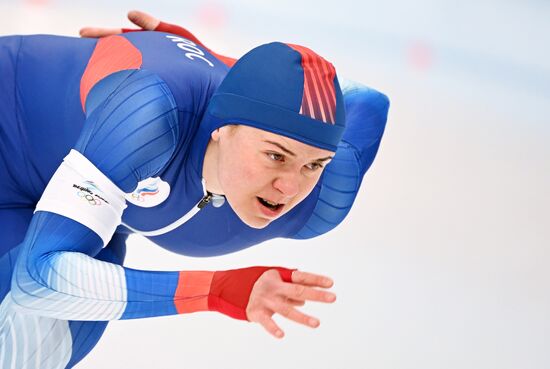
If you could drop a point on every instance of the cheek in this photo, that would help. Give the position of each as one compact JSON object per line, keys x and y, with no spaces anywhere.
{"x":305,"y":189}
{"x":240,"y":175}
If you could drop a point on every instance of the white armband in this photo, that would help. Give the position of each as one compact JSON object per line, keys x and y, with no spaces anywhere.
{"x":79,"y":191}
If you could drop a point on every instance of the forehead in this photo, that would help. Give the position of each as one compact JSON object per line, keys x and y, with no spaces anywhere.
{"x":260,"y":136}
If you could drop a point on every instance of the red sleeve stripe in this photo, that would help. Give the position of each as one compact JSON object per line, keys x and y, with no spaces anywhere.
{"x":111,"y":54}
{"x":319,"y":100}
{"x":192,"y":291}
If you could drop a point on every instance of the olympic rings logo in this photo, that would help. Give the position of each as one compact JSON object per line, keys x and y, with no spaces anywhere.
{"x":92,"y":200}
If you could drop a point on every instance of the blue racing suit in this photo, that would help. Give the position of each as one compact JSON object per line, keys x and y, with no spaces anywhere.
{"x":133,"y":105}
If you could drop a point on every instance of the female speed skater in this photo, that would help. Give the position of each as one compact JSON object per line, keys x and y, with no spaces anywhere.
{"x":152,"y":133}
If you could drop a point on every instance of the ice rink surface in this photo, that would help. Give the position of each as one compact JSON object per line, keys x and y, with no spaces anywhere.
{"x":443,"y":263}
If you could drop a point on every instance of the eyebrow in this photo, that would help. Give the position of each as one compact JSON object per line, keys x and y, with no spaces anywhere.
{"x":324,"y":159}
{"x":287,"y":151}
{"x":281,"y":147}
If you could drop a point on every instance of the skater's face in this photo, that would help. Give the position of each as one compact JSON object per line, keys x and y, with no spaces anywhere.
{"x":264,"y":175}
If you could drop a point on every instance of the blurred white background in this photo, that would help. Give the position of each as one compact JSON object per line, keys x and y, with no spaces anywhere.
{"x":444,"y":260}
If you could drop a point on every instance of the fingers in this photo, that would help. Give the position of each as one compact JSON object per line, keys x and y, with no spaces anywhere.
{"x":271,"y":295}
{"x":96,"y":32}
{"x":143,"y":20}
{"x":271,"y":327}
{"x":295,"y":302}
{"x":310,"y":279}
{"x":289,"y":312}
{"x":304,"y":293}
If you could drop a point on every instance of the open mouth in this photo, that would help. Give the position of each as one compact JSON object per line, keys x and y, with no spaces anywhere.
{"x":270,"y":205}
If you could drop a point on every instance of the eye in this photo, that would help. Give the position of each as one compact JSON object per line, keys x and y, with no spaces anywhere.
{"x":275,"y":157}
{"x":314,"y":166}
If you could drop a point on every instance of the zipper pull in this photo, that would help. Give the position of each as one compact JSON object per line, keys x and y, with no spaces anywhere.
{"x":205,"y":200}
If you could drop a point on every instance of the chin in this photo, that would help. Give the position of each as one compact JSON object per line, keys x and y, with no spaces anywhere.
{"x":257,"y":223}
{"x":253,"y":220}
{"x":251,"y":217}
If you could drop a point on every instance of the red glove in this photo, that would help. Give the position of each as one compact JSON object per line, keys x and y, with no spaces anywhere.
{"x":230,"y":289}
{"x":225,"y":291}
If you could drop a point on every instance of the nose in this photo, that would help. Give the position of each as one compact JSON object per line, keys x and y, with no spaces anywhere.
{"x":288,"y":184}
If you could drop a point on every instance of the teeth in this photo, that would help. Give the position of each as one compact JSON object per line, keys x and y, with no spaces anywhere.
{"x":271,"y":203}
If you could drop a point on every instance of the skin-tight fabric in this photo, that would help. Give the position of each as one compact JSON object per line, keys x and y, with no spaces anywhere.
{"x":132,"y":104}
